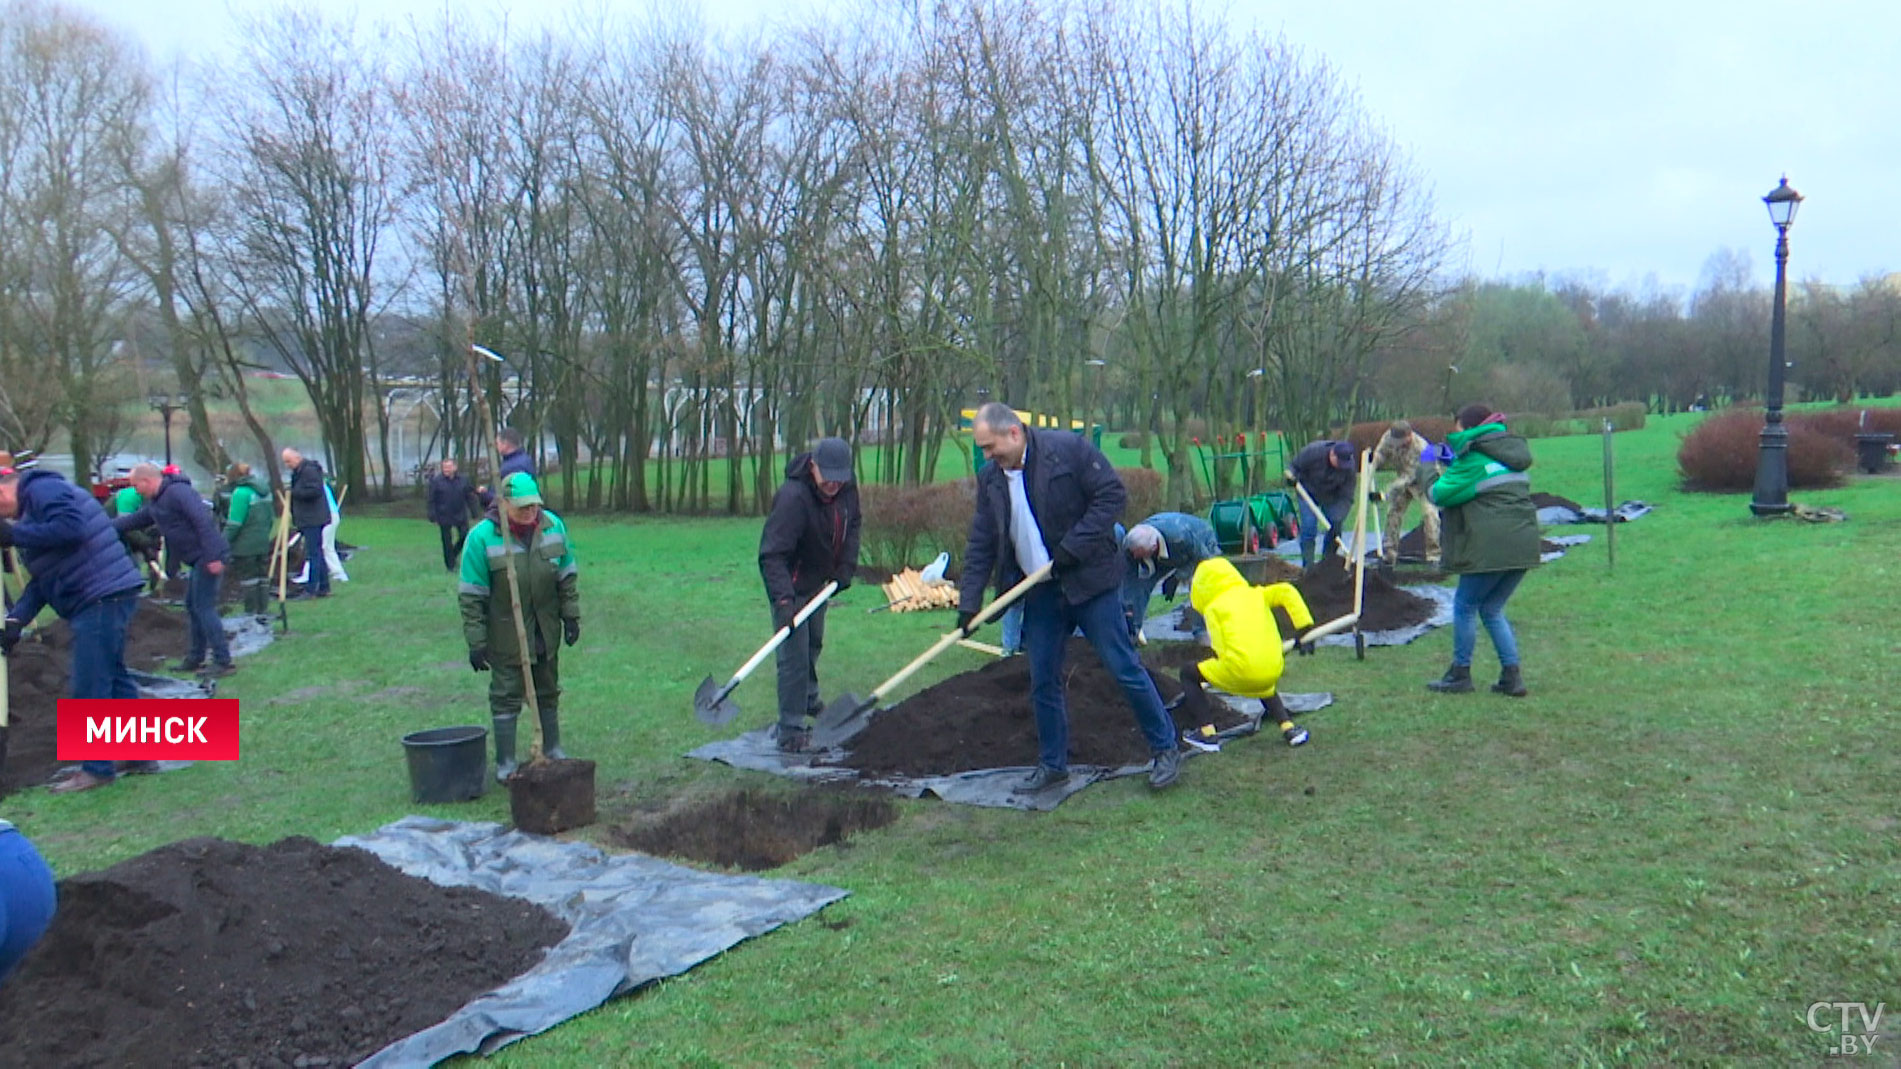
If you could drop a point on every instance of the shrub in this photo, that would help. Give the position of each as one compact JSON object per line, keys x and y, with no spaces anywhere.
{"x":1133,"y":439}
{"x":1628,"y":416}
{"x":1720,"y":454}
{"x":907,"y":526}
{"x":1145,"y":494}
{"x":1842,"y":424}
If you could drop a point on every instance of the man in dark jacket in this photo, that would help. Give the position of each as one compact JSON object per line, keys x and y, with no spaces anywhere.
{"x":514,"y":458}
{"x":248,"y":525}
{"x":1327,"y":470}
{"x":191,"y":534}
{"x":309,"y":514}
{"x":452,"y":502}
{"x":810,"y":539}
{"x":66,"y":542}
{"x":1049,"y":497}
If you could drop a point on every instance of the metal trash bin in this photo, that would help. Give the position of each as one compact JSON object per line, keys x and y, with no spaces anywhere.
{"x":1871,"y":451}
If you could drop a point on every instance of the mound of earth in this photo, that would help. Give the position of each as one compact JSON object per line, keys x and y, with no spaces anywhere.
{"x":755,"y":830}
{"x":213,"y":953}
{"x":1413,"y":545}
{"x":1543,"y":500}
{"x":38,"y":676}
{"x":983,"y":719}
{"x":1327,"y":588}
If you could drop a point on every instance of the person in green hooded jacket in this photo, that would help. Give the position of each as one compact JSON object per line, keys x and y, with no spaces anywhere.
{"x":518,"y":533}
{"x":1489,"y":538}
{"x":247,"y":526}
{"x":142,"y":543}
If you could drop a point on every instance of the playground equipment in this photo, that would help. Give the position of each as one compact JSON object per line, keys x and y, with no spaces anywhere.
{"x":1242,"y":524}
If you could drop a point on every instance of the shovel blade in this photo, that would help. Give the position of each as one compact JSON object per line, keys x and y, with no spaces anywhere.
{"x":711,"y":707}
{"x":843,"y":708}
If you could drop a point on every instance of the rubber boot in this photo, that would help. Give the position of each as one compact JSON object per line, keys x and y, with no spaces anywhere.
{"x":1511,"y":682}
{"x":1275,"y":711}
{"x":551,"y":733}
{"x":1457,"y":680}
{"x":504,"y":748}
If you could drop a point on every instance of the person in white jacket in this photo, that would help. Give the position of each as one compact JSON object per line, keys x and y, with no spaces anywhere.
{"x":331,"y":560}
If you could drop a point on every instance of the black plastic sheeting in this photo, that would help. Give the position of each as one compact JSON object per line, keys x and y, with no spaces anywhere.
{"x":635,"y":919}
{"x":1559,"y":515}
{"x":755,"y":750}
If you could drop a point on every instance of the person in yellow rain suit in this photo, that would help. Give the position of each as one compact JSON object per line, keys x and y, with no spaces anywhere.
{"x":1247,"y":644}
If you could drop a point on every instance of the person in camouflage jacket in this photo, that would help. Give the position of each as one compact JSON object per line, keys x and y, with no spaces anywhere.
{"x":519,"y":534}
{"x":1414,"y":463}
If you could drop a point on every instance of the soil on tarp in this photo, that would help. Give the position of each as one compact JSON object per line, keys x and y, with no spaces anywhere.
{"x":755,"y":830}
{"x":1545,"y":501}
{"x":1413,"y":544}
{"x":39,"y":674}
{"x":983,"y":719}
{"x":1327,"y":589}
{"x":214,"y":953}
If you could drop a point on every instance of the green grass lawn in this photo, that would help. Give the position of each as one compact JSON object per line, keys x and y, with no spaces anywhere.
{"x":1682,"y":839}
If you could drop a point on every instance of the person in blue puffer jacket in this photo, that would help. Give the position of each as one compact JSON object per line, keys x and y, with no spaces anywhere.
{"x":80,"y":568}
{"x":27,"y":898}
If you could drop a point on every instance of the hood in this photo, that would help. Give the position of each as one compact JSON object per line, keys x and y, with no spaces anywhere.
{"x":1492,"y":440}
{"x":1212,"y":579}
{"x":166,"y":482}
{"x":800,"y":467}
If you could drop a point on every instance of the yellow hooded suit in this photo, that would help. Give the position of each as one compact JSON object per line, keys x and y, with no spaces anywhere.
{"x":1247,"y":645}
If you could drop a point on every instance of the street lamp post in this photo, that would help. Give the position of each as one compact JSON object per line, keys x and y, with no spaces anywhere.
{"x":1772,"y":451}
{"x":165,"y":404}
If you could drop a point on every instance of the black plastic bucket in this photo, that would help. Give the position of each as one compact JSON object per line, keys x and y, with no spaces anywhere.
{"x":1872,"y":452}
{"x":447,"y":764}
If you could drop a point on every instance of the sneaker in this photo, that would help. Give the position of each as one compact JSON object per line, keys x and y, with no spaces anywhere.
{"x":1166,"y":767}
{"x":1040,"y":780}
{"x":1295,"y":735}
{"x":79,"y":781}
{"x":188,"y":666}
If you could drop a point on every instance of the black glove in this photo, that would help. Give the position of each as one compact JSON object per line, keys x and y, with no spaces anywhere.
{"x":1063,"y":560}
{"x":1170,"y":586}
{"x":6,"y":532}
{"x":844,"y":584}
{"x":782,"y":613}
{"x":1302,"y":647}
{"x":571,"y":631}
{"x":1373,"y":495}
{"x":10,"y":636}
{"x":478,"y":658}
{"x":966,"y":623}
{"x":1128,"y":620}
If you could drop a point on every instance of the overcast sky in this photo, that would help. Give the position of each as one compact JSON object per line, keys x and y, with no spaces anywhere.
{"x":1616,"y":140}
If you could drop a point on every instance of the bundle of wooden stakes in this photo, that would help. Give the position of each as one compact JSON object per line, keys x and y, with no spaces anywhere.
{"x":908,"y":592}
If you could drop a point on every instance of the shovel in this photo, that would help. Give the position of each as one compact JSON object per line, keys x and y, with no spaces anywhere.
{"x":847,"y":706}
{"x":715,"y":706}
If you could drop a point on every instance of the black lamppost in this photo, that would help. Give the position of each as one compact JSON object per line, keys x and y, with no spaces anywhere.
{"x":165,"y":404}
{"x":1772,"y":452}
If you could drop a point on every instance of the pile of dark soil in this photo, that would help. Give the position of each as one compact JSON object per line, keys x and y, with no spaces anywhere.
{"x":214,"y":953}
{"x":754,"y":830}
{"x":39,"y":675}
{"x":1542,"y":500}
{"x":1327,"y":588}
{"x":1414,"y":544}
{"x":983,"y":719}
{"x":1264,"y":569}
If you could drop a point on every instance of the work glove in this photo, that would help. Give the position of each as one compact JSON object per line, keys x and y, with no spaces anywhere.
{"x":844,"y":584}
{"x":1063,"y":560}
{"x":1373,"y":495}
{"x":10,"y":636}
{"x":571,"y":631}
{"x":1301,"y":647}
{"x":6,"y":532}
{"x":783,"y":612}
{"x":478,"y":658}
{"x":1169,"y":586}
{"x":966,"y":622}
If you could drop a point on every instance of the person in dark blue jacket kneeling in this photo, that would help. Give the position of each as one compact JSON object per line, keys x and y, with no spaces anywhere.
{"x":27,"y":898}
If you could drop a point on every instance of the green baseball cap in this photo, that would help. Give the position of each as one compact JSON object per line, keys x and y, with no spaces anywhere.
{"x":520,"y":489}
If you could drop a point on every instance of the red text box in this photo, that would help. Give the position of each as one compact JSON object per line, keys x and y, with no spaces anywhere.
{"x":148,"y":729}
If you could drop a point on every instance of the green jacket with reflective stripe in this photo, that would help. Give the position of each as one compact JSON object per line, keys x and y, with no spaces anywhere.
{"x":545,"y":570}
{"x":248,"y":525}
{"x":1487,"y":520}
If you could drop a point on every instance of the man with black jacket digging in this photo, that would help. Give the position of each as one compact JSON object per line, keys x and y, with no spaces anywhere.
{"x":1049,"y":497}
{"x":191,"y":534}
{"x":810,"y":539}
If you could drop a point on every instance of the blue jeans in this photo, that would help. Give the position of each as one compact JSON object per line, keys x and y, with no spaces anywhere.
{"x":317,"y":580}
{"x":27,"y":899}
{"x":1048,"y":619}
{"x":201,"y":606}
{"x":99,"y":656}
{"x":1482,"y":596}
{"x":1310,"y":529}
{"x":1013,"y":629}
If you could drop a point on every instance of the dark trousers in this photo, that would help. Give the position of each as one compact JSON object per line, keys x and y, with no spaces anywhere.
{"x":317,"y":580}
{"x":798,"y":671}
{"x":250,"y":575}
{"x":1048,"y":619}
{"x":201,"y":607}
{"x":453,"y":535}
{"x":99,"y":656}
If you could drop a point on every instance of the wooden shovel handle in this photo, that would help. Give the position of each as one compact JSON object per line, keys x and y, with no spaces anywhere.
{"x":956,"y":633}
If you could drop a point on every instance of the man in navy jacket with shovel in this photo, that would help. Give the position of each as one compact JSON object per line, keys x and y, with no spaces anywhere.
{"x":810,"y":539}
{"x":1049,"y":497}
